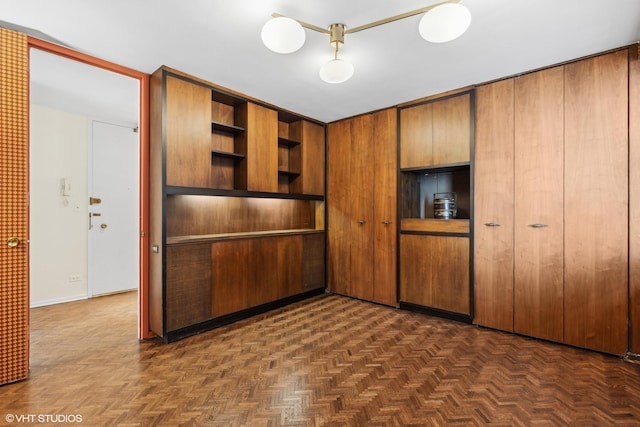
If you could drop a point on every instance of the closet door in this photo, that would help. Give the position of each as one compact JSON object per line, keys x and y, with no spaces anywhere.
{"x":339,"y":211}
{"x":493,"y":205}
{"x":538,"y":256}
{"x":362,"y":214}
{"x":596,"y":203}
{"x":386,"y":202}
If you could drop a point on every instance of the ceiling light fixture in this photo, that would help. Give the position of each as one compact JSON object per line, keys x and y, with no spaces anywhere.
{"x":441,"y":22}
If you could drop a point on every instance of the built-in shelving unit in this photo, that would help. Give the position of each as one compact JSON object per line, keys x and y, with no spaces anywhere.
{"x":237,"y":218}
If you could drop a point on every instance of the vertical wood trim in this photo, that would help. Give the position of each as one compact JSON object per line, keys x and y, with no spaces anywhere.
{"x":538,"y":179}
{"x":493,"y":203}
{"x":416,"y":136}
{"x":634,"y":199}
{"x":596,"y":203}
{"x":14,"y":206}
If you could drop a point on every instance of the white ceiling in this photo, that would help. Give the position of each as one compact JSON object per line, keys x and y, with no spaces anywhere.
{"x":219,"y":41}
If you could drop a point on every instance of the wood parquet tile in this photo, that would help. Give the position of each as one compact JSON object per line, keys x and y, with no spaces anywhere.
{"x":327,"y":361}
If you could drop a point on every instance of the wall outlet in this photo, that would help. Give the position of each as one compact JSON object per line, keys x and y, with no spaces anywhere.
{"x":74,"y":278}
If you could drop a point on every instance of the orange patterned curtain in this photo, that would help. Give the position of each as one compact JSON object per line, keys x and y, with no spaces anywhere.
{"x":14,"y":214}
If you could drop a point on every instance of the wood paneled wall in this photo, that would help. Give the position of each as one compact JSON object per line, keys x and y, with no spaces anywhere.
{"x":634,"y":198}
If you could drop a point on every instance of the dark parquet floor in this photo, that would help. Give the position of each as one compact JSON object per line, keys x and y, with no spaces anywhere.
{"x":327,"y":361}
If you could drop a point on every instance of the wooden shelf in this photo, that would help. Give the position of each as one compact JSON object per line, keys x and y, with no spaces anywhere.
{"x":226,"y":128}
{"x":176,"y":240}
{"x":286,"y":142}
{"x":227,"y":155}
{"x":290,"y":174}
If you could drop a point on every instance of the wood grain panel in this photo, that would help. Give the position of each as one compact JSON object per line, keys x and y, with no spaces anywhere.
{"x":434,"y":272}
{"x":259,"y":143}
{"x":435,"y":225}
{"x":188,"y":133}
{"x":493,"y":204}
{"x":312,"y":160}
{"x":288,"y":265}
{"x":156,"y":200}
{"x":452,"y":130}
{"x":596,"y":203}
{"x":188,"y":285}
{"x":634,"y":199}
{"x":313,"y":262}
{"x":362,"y":207}
{"x":231,"y":262}
{"x":339,"y":207}
{"x":385,"y":188}
{"x":539,"y":175}
{"x":204,"y":215}
{"x":416,"y":136}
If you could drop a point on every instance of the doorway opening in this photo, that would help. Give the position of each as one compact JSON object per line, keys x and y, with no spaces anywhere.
{"x":85,"y":244}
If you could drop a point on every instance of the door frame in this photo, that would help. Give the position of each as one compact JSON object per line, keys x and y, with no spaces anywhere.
{"x":144,"y":79}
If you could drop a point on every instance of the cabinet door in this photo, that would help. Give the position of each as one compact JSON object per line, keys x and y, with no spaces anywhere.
{"x":416,"y":136}
{"x":187,"y":133}
{"x":539,"y":150}
{"x":188,"y":285}
{"x":596,"y":203}
{"x":231,"y":264}
{"x":435,"y":272}
{"x":385,"y":180}
{"x":339,"y":211}
{"x":259,"y":143}
{"x":311,"y":180}
{"x":451,"y":130}
{"x":493,"y":205}
{"x":362,"y":214}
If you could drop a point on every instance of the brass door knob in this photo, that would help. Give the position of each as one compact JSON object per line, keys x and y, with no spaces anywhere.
{"x":103,"y":226}
{"x":13,"y":242}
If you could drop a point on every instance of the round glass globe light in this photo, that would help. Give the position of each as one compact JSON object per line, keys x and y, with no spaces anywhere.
{"x":444,"y":23}
{"x":336,"y":71}
{"x":283,"y":35}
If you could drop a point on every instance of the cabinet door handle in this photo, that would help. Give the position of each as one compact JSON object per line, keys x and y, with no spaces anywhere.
{"x":492,"y":224}
{"x":538,"y":225}
{"x":387,"y":222}
{"x":362,"y":221}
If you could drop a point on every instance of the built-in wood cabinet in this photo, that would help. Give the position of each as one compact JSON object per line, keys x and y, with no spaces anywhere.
{"x":596,"y":204}
{"x":435,"y":253}
{"x":550,"y":167}
{"x":538,"y":199}
{"x":362,"y":207}
{"x":436,"y":133}
{"x":493,"y":205}
{"x":237,"y":206}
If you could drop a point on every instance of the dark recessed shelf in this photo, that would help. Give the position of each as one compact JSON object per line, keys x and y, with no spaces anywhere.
{"x":227,"y":155}
{"x":225,"y":128}
{"x":289,"y":173}
{"x":285,"y":142}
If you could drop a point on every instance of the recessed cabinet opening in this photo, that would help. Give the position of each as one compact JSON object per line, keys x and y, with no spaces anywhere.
{"x":420,"y":188}
{"x":192,"y":217}
{"x":289,"y":154}
{"x":225,"y":149}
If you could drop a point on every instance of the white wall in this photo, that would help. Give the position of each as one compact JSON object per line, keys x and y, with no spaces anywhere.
{"x":58,"y":224}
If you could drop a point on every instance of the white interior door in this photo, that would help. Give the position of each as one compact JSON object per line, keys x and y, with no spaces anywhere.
{"x":114,"y":230}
